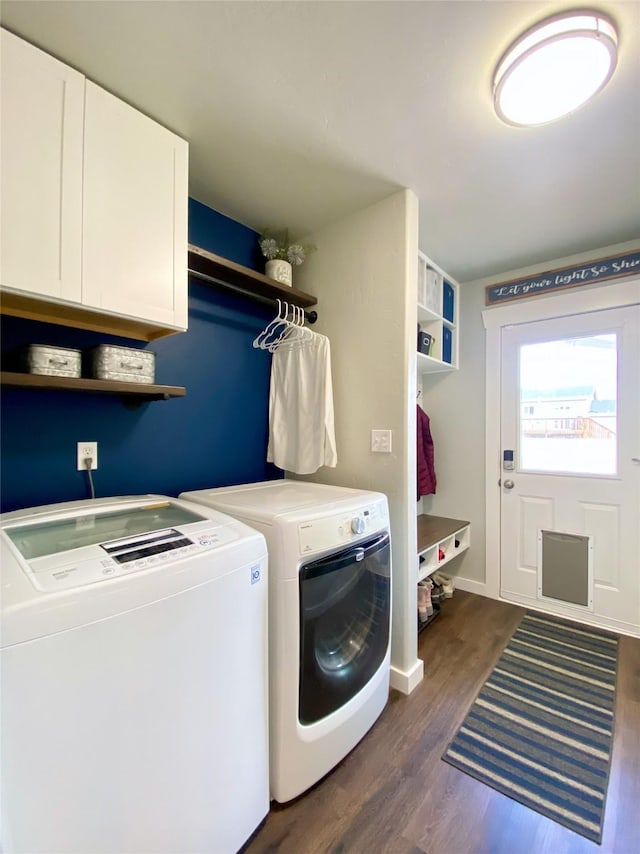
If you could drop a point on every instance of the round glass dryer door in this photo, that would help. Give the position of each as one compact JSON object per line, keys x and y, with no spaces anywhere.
{"x":345,"y":602}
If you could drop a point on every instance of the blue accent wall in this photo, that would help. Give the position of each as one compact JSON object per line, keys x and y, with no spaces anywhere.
{"x":215,"y":436}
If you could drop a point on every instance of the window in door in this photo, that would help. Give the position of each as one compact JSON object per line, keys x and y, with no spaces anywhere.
{"x":575,"y":378}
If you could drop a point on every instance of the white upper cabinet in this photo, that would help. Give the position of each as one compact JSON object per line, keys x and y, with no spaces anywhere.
{"x":134,"y":213}
{"x":94,"y":203}
{"x":41,"y":172}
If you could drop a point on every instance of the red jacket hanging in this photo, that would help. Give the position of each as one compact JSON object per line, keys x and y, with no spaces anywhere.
{"x":426,"y":467}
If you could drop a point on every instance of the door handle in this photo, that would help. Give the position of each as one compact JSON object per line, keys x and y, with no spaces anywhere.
{"x":508,"y":484}
{"x":635,"y":459}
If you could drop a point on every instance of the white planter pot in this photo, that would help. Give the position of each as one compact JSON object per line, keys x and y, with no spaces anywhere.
{"x":279,"y":270}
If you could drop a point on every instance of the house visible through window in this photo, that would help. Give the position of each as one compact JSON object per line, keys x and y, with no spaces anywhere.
{"x":576,"y":378}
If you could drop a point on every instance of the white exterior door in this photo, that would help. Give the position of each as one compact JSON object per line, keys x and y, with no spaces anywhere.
{"x":570,"y":412}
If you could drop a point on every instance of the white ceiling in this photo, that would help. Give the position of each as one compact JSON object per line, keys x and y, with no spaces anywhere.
{"x":300,"y":112}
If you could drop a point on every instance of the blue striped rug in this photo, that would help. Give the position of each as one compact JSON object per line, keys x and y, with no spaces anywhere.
{"x":541,"y":728}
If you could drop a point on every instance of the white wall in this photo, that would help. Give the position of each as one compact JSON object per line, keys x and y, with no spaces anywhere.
{"x":456,"y":405}
{"x":364,"y":276}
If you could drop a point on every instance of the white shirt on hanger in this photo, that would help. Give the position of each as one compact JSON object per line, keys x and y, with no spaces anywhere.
{"x":301,"y":420}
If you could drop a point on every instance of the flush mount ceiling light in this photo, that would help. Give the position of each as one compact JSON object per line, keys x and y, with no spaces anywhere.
{"x":555,"y":67}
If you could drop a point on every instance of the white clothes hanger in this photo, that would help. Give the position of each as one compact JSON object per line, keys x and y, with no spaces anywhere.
{"x":283,"y":332}
{"x":297,"y":335}
{"x":286,"y":328}
{"x":271,"y":326}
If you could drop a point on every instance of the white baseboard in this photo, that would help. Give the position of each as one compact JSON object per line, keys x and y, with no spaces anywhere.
{"x":406,"y":680}
{"x":568,"y":613}
{"x":606,"y":623}
{"x":471,"y":586}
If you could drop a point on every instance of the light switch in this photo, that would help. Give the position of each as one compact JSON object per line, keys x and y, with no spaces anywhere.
{"x":381,"y":441}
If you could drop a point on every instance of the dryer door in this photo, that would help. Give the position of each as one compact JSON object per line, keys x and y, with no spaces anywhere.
{"x":345,"y":607}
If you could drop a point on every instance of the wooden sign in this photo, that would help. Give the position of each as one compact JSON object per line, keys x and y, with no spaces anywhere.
{"x":613,"y":267}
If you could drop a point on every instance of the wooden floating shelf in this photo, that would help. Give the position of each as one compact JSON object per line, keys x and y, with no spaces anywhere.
{"x":140,"y":391}
{"x":206,"y":266}
{"x":227,"y":274}
{"x":33,"y":307}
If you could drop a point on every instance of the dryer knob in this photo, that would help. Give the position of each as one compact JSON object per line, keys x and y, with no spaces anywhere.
{"x":357,"y":525}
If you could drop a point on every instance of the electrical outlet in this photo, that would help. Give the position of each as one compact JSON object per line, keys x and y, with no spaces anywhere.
{"x":381,"y":441}
{"x":87,"y":449}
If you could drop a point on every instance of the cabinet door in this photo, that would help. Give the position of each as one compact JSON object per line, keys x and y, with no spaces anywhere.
{"x":41,"y":183}
{"x":134,"y":213}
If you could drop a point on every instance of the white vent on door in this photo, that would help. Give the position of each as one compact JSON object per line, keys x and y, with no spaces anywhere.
{"x":565,"y":568}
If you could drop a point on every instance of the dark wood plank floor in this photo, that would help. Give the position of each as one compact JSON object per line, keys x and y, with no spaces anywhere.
{"x":394,"y":795}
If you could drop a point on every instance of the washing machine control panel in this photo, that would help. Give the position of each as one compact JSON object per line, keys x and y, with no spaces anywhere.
{"x":340,"y":528}
{"x":103,"y":561}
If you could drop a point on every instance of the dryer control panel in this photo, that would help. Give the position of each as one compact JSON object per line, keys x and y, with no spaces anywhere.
{"x":340,"y":528}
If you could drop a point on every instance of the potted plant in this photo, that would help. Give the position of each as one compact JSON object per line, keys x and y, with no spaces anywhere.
{"x":282,"y":254}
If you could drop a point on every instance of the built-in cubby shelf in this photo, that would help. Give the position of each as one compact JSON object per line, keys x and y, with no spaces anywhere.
{"x":431,"y":365}
{"x":218,"y":271}
{"x":440,"y":539}
{"x":437,"y":313}
{"x":133,"y":391}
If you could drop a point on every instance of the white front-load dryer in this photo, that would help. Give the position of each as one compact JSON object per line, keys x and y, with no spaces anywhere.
{"x":134,"y":678}
{"x":329,"y":618}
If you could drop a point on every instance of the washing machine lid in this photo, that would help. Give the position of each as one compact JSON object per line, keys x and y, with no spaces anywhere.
{"x":106,"y":527}
{"x":75,"y":544}
{"x":272,"y":498}
{"x":66,"y":565}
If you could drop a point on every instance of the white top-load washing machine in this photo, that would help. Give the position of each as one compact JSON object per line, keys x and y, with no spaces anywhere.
{"x":134,"y":678}
{"x":329,"y":618}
